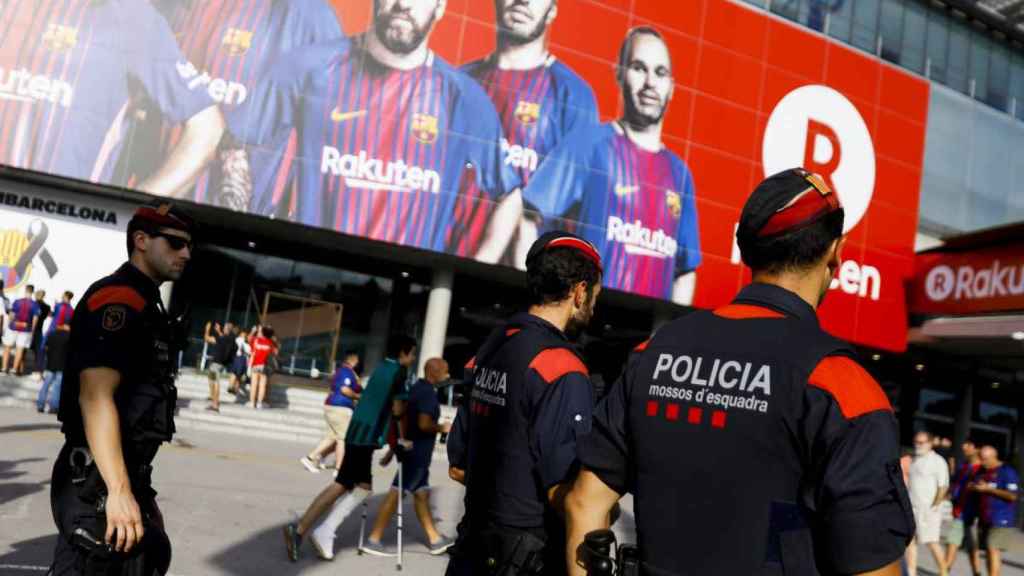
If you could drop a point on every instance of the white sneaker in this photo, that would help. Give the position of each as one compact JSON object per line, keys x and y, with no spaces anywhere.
{"x":309,"y":464}
{"x":322,"y":542}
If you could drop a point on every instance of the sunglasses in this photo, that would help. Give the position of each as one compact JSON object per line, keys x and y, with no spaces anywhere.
{"x":177,"y":243}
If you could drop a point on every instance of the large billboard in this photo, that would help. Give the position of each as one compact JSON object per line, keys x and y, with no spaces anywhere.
{"x":470,"y":126}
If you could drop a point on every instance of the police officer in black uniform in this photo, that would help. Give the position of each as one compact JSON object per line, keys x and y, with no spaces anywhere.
{"x":752,"y":441}
{"x":529,"y":399}
{"x":117,"y":407}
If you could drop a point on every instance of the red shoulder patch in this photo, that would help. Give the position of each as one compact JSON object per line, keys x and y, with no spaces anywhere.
{"x":117,"y":295}
{"x":554,"y":363}
{"x":642,"y":346}
{"x":746,"y":311}
{"x":856,"y":391}
{"x":471,"y":364}
{"x":512,"y":332}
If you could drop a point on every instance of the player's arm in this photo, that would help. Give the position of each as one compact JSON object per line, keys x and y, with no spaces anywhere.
{"x":853,"y":439}
{"x":501,"y":228}
{"x":198,"y":143}
{"x":689,"y":255}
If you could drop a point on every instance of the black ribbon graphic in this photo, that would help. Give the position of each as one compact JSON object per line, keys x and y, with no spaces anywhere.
{"x":37,"y":234}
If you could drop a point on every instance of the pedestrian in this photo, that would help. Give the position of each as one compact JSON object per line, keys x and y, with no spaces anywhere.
{"x":753,"y":442}
{"x":929,"y":484}
{"x":221,"y":357}
{"x":530,"y":400}
{"x":56,"y":358}
{"x":63,"y":312}
{"x":338,"y":407}
{"x":997,"y":486}
{"x":264,"y":352}
{"x":379,"y":404}
{"x":38,"y":337}
{"x":422,"y":417}
{"x":117,"y":407}
{"x":240,"y":364}
{"x":24,"y":315}
{"x":962,"y":531}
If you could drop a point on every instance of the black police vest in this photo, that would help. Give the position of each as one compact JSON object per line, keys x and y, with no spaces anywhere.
{"x":503,"y":488}
{"x":720,"y":476}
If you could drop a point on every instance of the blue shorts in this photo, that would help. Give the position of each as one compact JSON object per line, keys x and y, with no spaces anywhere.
{"x":415,"y":476}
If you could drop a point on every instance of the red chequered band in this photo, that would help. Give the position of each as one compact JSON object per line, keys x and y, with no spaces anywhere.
{"x":672,"y":412}
{"x":694,"y":415}
{"x":583,"y":246}
{"x":718,"y":419}
{"x":652,"y":408}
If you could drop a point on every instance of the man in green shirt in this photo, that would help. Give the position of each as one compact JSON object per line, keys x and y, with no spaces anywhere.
{"x":380,"y":403}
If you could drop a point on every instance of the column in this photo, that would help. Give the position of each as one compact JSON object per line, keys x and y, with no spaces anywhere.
{"x":435,"y":326}
{"x":962,"y":426}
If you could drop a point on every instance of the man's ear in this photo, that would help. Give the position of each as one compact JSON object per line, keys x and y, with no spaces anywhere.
{"x":835,"y":258}
{"x":139,"y":240}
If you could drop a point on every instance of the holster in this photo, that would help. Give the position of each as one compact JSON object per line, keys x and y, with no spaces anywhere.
{"x":512,"y":552}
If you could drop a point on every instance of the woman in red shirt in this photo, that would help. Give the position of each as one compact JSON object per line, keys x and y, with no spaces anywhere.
{"x":263,"y":346}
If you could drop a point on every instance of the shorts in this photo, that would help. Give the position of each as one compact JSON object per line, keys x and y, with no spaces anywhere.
{"x":15,"y":339}
{"x":958,"y":535}
{"x":238,"y":366}
{"x":415,"y":476}
{"x":929,"y":525}
{"x":261,"y":369}
{"x":356,"y":466}
{"x":214,"y":370}
{"x":996,"y":537}
{"x":337,"y":418}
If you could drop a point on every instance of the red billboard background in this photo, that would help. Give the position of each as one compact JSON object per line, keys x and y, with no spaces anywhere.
{"x":732,"y":66}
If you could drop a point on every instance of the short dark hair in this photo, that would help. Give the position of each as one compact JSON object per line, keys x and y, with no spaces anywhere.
{"x":399,"y":344}
{"x":69,"y":294}
{"x":556,"y":271}
{"x":796,"y":250}
{"x":350,"y":352}
{"x":267,"y":330}
{"x":30,"y":288}
{"x":627,"y":42}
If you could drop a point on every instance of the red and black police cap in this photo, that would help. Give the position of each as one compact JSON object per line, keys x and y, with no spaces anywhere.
{"x":562,"y":239}
{"x":784,"y":203}
{"x":161,"y":214}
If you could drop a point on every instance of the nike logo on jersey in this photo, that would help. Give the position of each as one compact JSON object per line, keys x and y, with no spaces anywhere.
{"x":362,"y":171}
{"x":640,"y":240}
{"x":339,"y":116}
{"x":220,"y":90}
{"x":24,"y":86}
{"x":518,"y":156}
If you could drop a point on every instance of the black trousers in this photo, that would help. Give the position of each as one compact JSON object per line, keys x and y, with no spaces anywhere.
{"x":75,"y":510}
{"x":469,"y":556}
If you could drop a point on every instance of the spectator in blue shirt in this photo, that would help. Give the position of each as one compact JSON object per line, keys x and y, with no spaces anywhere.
{"x":338,"y":407}
{"x":422,"y":413}
{"x":997,"y":486}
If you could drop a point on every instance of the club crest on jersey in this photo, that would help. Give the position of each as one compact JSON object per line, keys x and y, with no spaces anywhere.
{"x":674,"y":202}
{"x":527,"y":112}
{"x":60,"y":38}
{"x":623,"y":190}
{"x":237,"y":41}
{"x":424,"y":128}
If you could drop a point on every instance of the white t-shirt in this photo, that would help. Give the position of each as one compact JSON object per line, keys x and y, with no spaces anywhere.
{"x":243,"y":348}
{"x":928,"y":475}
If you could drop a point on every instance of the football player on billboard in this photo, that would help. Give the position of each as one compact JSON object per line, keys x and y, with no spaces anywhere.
{"x":538,"y":98}
{"x":621,"y":187}
{"x":229,"y":45}
{"x":386,"y":130}
{"x":68,"y":72}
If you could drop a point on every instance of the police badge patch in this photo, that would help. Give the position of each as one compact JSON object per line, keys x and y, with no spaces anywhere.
{"x":113,"y":318}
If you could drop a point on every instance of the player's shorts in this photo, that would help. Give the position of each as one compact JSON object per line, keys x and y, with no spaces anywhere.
{"x":356,"y":466}
{"x":415,"y":476}
{"x":929,"y":524}
{"x":337,"y":418}
{"x":960,"y":535}
{"x":996,"y":537}
{"x":15,"y":339}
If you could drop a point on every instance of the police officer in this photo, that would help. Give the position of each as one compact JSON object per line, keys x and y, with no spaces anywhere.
{"x":529,"y":399}
{"x":752,"y":441}
{"x":117,"y":407}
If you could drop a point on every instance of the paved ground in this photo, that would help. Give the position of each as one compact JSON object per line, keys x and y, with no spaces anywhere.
{"x":225,"y":499}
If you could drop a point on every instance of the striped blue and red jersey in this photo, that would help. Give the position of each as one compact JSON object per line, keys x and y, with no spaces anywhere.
{"x":382,"y":152}
{"x":537,"y":108}
{"x":637,"y":207}
{"x":23,"y":311}
{"x":62,"y":314}
{"x":230,"y":45}
{"x":68,"y":69}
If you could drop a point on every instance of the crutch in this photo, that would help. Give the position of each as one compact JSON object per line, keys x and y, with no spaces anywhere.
{"x":362,"y":529}
{"x":401,"y":490}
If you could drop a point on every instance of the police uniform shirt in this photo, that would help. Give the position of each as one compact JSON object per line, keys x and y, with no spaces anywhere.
{"x":743,"y":461}
{"x":109,"y":329}
{"x":521,"y":428}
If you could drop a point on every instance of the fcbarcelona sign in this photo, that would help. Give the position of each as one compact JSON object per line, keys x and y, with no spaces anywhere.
{"x":642,"y":125}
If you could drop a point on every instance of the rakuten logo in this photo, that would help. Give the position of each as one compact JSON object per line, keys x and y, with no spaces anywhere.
{"x":220,"y":90}
{"x":362,"y":171}
{"x":24,"y":86}
{"x":966,"y":283}
{"x":819,"y":129}
{"x":518,"y":156}
{"x":641,"y":241}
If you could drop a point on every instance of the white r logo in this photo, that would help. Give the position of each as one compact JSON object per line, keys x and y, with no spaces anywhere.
{"x":939,"y":283}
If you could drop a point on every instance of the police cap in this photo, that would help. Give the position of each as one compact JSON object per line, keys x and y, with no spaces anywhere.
{"x":562,"y":239}
{"x":786,"y":202}
{"x":159,"y":215}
